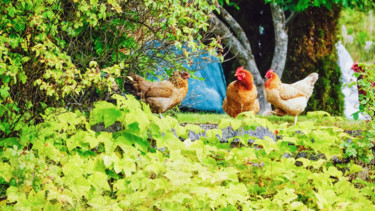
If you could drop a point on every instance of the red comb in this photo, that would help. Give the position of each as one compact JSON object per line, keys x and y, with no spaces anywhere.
{"x":239,"y":69}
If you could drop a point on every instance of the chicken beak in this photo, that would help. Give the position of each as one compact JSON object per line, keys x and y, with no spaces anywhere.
{"x":235,"y":74}
{"x":130,"y":78}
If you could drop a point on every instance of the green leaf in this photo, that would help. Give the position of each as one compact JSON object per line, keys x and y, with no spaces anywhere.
{"x":4,"y":92}
{"x":354,"y":169}
{"x":14,"y":194}
{"x":5,"y":171}
{"x":99,"y":181}
{"x":286,"y":195}
{"x":104,"y":112}
{"x":268,"y":144}
{"x":127,"y":165}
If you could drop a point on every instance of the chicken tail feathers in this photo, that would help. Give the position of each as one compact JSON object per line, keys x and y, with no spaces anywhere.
{"x":312,"y":78}
{"x":130,"y":84}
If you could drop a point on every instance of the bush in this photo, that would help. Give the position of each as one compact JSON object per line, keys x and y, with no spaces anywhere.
{"x":365,"y":74}
{"x":70,"y":53}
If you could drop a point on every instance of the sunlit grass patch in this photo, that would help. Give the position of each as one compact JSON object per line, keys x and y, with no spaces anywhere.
{"x":214,"y":118}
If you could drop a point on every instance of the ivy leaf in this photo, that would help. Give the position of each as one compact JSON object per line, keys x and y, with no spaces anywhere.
{"x":334,"y":172}
{"x":354,"y":168}
{"x":99,"y":181}
{"x":286,"y":195}
{"x":268,"y":144}
{"x":106,"y":112}
{"x":14,"y":194}
{"x":195,"y":128}
{"x":317,"y":114}
{"x":48,"y":150}
{"x":127,"y":165}
{"x":236,"y":123}
{"x":4,"y":92}
{"x":12,"y":11}
{"x":130,"y":139}
{"x":82,"y":186}
{"x":5,"y":171}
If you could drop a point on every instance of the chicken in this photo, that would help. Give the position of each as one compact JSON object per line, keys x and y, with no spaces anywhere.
{"x":288,"y":98}
{"x":241,"y":94}
{"x":161,"y":96}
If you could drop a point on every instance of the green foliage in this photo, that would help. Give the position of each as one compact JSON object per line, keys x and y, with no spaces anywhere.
{"x":71,"y":53}
{"x":229,"y":3}
{"x":302,"y":5}
{"x":311,"y":48}
{"x":365,"y":75}
{"x":63,"y":164}
{"x":357,"y":32}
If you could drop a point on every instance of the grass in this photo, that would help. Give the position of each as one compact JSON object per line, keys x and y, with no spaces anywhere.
{"x":200,"y":118}
{"x":214,"y":118}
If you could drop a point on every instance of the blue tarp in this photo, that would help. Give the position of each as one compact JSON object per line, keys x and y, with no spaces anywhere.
{"x":203,"y":95}
{"x":206,"y":95}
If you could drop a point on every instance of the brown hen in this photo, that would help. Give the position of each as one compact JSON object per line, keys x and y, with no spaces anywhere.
{"x":161,"y":96}
{"x":241,"y":94}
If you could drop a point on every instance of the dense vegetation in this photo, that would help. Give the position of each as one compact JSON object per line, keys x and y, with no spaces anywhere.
{"x":65,"y":146}
{"x":71,"y":53}
{"x":365,"y":74}
{"x":140,"y":163}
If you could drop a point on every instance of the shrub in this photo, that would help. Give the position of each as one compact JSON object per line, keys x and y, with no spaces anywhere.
{"x":70,"y":53}
{"x":365,"y":74}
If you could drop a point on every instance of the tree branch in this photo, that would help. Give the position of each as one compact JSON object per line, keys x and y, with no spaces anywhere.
{"x":290,"y":18}
{"x":244,"y":57}
{"x":236,"y":28}
{"x":281,"y":39}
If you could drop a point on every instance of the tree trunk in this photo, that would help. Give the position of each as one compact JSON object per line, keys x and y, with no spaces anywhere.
{"x":281,"y":40}
{"x":243,"y":53}
{"x":239,"y":46}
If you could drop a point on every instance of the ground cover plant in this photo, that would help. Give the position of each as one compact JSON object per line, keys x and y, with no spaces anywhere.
{"x":68,"y":143}
{"x":112,"y":160}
